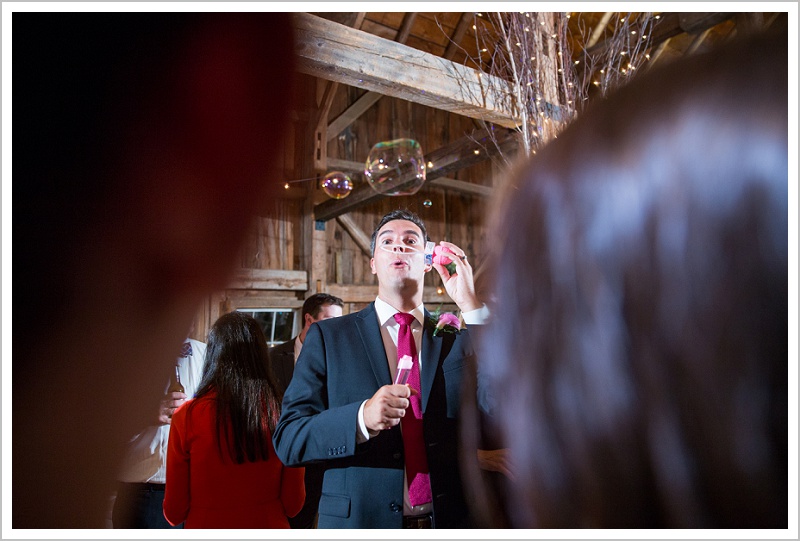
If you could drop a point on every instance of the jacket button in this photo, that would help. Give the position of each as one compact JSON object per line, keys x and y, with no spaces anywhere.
{"x":395,"y":508}
{"x":397,"y":456}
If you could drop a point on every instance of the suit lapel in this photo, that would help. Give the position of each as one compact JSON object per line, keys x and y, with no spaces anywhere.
{"x":370,"y":332}
{"x":431,"y":349}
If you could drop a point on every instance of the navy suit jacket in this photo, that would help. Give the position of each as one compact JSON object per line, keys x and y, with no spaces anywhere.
{"x":342,"y":364}
{"x":281,"y":363}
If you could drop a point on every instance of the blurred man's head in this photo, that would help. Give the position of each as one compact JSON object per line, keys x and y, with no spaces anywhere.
{"x":141,"y":145}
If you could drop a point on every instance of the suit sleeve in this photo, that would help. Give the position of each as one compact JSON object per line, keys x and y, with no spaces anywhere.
{"x":176,"y":495}
{"x":293,"y":490}
{"x":311,"y":428}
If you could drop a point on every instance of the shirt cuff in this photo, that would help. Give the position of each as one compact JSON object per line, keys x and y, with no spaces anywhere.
{"x":476,"y":317}
{"x":363,"y":434}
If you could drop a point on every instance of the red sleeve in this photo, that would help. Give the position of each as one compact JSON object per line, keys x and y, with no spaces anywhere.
{"x":176,"y":495}
{"x":293,"y":490}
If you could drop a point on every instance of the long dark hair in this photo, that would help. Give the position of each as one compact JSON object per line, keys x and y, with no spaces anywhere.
{"x":247,"y":400}
{"x":638,"y":357}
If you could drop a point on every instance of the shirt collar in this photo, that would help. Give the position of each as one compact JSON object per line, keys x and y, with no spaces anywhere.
{"x":386,"y":312}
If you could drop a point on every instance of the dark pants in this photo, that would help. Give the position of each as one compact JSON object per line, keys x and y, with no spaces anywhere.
{"x":307,"y":517}
{"x":140,"y":505}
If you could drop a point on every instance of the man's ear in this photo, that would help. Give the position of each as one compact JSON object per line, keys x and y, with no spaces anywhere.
{"x":308,"y":320}
{"x":372,"y":265}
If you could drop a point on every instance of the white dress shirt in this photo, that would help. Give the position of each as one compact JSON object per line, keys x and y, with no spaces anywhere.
{"x":389,"y":329}
{"x":145,"y":458}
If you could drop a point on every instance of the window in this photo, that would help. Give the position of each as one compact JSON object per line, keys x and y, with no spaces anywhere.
{"x":278,"y":324}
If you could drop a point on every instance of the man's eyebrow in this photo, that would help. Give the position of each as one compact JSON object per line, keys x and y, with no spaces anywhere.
{"x":406,"y":232}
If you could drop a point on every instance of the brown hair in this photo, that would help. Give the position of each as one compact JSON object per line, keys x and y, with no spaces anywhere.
{"x":247,"y":400}
{"x":637,"y":367}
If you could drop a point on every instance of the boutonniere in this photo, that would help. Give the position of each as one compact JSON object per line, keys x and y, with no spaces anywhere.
{"x":445,"y":322}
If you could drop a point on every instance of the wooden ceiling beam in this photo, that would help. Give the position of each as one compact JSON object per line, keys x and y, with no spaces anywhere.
{"x":458,"y":35}
{"x":671,"y":25}
{"x":368,"y":99}
{"x":599,"y":29}
{"x":338,"y":53}
{"x":450,"y":184}
{"x":464,"y":152}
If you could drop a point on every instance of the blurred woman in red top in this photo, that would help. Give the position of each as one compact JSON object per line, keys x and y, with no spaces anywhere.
{"x":222,"y":471}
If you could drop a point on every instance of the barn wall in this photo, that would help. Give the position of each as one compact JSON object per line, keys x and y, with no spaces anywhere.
{"x":282,"y":238}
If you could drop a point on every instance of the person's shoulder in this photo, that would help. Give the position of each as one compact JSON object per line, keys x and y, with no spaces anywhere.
{"x":345,"y":320}
{"x":283,"y":347}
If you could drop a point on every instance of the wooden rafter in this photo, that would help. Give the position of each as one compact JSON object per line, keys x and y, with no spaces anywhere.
{"x":368,"y":99}
{"x":458,"y":35}
{"x":464,"y":152}
{"x":598,"y":29}
{"x":451,"y":184}
{"x":671,"y":25}
{"x":335,"y":52}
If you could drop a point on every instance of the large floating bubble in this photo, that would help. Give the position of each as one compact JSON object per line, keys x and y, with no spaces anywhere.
{"x":337,"y":185}
{"x":396,"y":167}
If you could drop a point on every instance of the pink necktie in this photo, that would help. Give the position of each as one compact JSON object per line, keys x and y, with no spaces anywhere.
{"x":419,"y":483}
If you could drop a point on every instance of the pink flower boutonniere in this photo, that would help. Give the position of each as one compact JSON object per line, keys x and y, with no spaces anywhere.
{"x":446,"y":322}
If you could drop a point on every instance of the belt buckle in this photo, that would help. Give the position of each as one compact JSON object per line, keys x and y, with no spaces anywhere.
{"x":418,"y":522}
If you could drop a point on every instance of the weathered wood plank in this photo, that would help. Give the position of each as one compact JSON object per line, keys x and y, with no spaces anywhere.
{"x":363,"y":240}
{"x":269,"y":279}
{"x":236,"y":299}
{"x":462,"y":186}
{"x":458,"y":35}
{"x":338,"y":53}
{"x":352,"y":113}
{"x":365,"y":294}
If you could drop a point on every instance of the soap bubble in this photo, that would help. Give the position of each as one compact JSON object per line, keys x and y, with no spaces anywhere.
{"x":337,"y":185}
{"x":396,"y":167}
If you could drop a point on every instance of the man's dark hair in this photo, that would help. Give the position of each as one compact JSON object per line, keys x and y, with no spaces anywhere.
{"x":398,"y":215}
{"x":315,"y":302}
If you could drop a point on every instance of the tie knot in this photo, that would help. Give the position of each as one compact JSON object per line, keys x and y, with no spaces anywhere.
{"x":403,"y":319}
